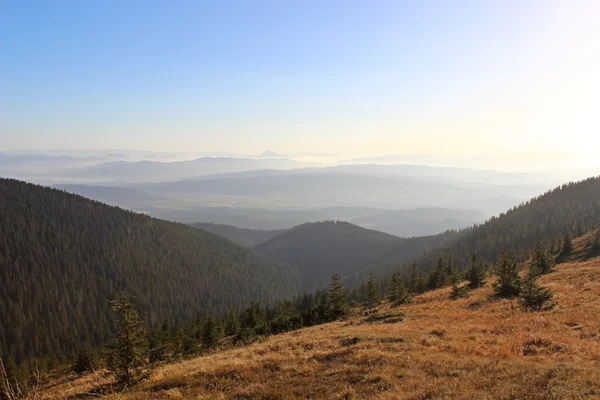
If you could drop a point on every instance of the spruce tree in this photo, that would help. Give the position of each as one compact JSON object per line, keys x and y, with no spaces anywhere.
{"x":567,"y":247}
{"x":397,"y":291}
{"x":458,"y":292}
{"x":509,"y":281}
{"x":336,"y":305}
{"x":84,"y":362}
{"x":541,"y":262}
{"x":415,"y":282}
{"x":439,"y":276}
{"x":534,"y":297}
{"x":232,"y":323}
{"x":157,"y":346}
{"x":595,"y":248}
{"x":127,"y":356}
{"x":253,"y":321}
{"x":372,"y":297}
{"x":210,"y":333}
{"x":476,"y":273}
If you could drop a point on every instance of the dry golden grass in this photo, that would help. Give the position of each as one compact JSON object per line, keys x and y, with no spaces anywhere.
{"x":473,"y":348}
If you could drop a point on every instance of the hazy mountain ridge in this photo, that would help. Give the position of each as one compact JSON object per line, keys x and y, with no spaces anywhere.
{"x":153,"y":170}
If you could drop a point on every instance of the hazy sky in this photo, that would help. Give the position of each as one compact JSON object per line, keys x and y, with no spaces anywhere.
{"x":372,"y":77}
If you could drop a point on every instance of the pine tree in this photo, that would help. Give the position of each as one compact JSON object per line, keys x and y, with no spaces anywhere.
{"x":534,"y":297}
{"x":210,"y":333}
{"x":372,"y":297}
{"x":336,"y":305}
{"x":476,"y":273}
{"x":509,"y":281}
{"x":541,"y":262}
{"x":127,"y":356}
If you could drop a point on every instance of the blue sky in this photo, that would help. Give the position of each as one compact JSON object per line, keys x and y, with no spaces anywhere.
{"x":345,"y":77}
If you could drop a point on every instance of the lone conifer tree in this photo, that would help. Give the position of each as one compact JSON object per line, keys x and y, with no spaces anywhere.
{"x":509,"y":281}
{"x":336,"y":306}
{"x":372,"y":297}
{"x":476,"y":273}
{"x":534,"y":297}
{"x":128,"y":355}
{"x":541,"y":262}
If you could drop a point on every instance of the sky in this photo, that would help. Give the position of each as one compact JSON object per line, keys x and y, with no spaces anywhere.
{"x":355,"y":78}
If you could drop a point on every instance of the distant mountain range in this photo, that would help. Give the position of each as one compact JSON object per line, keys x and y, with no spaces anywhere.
{"x":147,"y":171}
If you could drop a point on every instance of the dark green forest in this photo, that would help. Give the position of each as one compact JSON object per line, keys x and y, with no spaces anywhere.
{"x":63,"y":257}
{"x":321,"y":249}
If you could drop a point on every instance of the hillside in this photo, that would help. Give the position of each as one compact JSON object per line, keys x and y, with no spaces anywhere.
{"x":474,"y":348}
{"x":245,"y":237}
{"x":320,"y":249}
{"x":570,"y":209}
{"x":63,"y":257}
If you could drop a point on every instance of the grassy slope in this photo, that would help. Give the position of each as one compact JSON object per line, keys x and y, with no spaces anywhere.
{"x":475,"y":348}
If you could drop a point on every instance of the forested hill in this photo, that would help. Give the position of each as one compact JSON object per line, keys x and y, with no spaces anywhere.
{"x":62,"y":257}
{"x":246,"y":237}
{"x":571,"y":209}
{"x":320,"y":249}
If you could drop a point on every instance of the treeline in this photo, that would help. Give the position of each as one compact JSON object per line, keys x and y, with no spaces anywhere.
{"x":62,"y":257}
